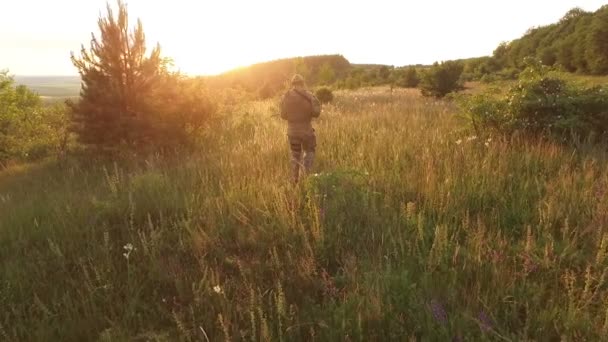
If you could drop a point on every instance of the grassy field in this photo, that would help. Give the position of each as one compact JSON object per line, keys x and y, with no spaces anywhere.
{"x":52,"y":88}
{"x":411,"y":229}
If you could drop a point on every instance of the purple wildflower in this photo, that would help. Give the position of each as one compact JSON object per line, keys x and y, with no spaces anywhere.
{"x":321,"y":213}
{"x":457,"y":338}
{"x":485,"y":322}
{"x":438,"y":312}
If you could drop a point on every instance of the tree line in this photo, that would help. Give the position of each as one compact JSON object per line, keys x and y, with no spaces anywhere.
{"x":578,"y":43}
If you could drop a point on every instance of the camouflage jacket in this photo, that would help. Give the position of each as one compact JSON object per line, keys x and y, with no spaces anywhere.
{"x":299,"y":107}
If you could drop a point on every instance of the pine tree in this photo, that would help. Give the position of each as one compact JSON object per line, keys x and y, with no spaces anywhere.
{"x":118,"y":80}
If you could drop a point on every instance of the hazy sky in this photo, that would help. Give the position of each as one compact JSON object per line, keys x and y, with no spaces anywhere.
{"x":36,"y":36}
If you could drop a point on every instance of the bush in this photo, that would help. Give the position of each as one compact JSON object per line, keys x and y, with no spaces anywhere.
{"x":441,"y":79}
{"x":352,"y":83}
{"x":489,"y":78}
{"x":410,"y":78}
{"x":324,"y":94}
{"x":28,"y":129}
{"x":543,"y":101}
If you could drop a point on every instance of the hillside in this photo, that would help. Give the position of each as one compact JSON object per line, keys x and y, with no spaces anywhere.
{"x":267,"y":78}
{"x":578,"y":43}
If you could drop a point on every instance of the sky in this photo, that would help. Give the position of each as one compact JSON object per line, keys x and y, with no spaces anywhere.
{"x":209,"y":37}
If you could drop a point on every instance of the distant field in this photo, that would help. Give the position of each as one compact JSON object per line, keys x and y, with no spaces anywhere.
{"x":52,"y":88}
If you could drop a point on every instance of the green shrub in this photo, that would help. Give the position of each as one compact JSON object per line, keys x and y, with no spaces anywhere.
{"x":441,"y":79}
{"x":410,"y":78}
{"x":324,"y":94}
{"x":489,"y":78}
{"x":352,"y":83}
{"x":543,"y":101}
{"x":28,"y":129}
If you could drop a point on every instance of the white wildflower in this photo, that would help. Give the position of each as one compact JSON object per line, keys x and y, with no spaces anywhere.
{"x":471,"y":138}
{"x":459,"y":141}
{"x":218,"y":289}
{"x":128,"y":249}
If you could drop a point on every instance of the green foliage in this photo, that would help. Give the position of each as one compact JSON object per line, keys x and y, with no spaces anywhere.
{"x":130,"y":99}
{"x":352,"y":83}
{"x":542,"y":101}
{"x":384,"y":72}
{"x":409,"y":78}
{"x":577,"y":43}
{"x":324,"y":94}
{"x":29,"y":130}
{"x":327,"y":74}
{"x":441,"y":79}
{"x":597,"y":44}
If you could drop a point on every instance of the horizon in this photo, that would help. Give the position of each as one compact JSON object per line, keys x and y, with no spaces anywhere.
{"x":388,"y":33}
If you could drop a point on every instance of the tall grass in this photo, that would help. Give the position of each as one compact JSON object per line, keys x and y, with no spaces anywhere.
{"x":410,"y":230}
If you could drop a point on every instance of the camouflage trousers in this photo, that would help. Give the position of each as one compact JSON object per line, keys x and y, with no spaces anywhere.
{"x":302,"y":153}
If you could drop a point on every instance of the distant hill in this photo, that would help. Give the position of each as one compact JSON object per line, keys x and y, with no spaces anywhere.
{"x":268,"y":78}
{"x":262,"y":80}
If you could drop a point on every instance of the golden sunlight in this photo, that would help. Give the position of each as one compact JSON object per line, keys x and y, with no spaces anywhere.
{"x":218,"y":37}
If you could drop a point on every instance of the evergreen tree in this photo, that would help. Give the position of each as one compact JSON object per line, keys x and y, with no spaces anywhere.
{"x":118,"y":82}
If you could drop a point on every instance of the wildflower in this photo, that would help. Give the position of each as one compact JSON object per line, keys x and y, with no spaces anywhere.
{"x":438,"y":312}
{"x":128,"y":249}
{"x":471,"y":138}
{"x":459,"y":141}
{"x":484,"y":321}
{"x":218,"y":289}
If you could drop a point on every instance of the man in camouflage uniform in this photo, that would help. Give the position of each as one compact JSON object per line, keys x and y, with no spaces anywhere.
{"x":299,"y":106}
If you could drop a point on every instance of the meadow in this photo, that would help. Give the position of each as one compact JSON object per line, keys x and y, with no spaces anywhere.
{"x":412,"y":228}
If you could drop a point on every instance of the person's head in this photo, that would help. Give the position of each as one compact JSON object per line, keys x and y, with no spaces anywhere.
{"x":297,"y":81}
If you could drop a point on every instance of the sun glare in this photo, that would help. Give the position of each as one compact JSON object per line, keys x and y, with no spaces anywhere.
{"x":215,"y":43}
